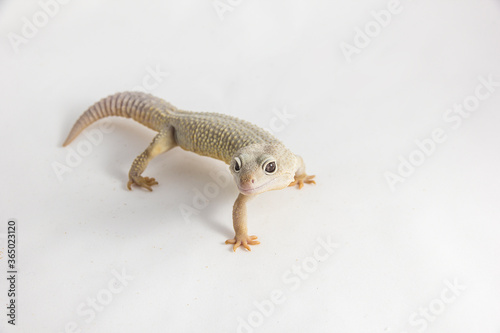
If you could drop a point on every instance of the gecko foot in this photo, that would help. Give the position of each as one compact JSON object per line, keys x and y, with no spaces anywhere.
{"x":245,"y":241}
{"x":145,"y":182}
{"x":303,"y":179}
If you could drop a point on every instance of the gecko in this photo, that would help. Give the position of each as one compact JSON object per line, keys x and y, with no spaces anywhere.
{"x":257,"y":160}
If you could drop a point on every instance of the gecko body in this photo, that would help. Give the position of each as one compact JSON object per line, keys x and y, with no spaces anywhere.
{"x":257,"y":160}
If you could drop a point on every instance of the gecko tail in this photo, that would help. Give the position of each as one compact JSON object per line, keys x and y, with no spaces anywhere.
{"x":144,"y":108}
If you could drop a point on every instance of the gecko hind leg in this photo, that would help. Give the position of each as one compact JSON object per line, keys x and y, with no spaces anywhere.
{"x":162,"y":142}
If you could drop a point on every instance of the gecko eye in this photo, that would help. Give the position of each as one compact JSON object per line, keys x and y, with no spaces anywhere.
{"x":270,"y":167}
{"x":237,"y":164}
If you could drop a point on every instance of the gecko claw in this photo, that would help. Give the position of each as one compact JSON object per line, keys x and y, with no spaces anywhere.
{"x":243,"y":241}
{"x":303,"y":179}
{"x":145,"y":182}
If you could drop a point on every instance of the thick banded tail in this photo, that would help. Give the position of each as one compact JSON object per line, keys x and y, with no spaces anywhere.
{"x":146,"y":109}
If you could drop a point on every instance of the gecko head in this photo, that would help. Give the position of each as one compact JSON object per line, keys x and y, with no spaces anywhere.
{"x":258,"y":168}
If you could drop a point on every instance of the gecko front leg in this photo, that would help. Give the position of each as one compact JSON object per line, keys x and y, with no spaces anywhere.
{"x":241,"y":237}
{"x":301,"y":177}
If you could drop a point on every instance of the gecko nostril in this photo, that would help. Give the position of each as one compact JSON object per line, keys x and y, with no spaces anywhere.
{"x":253,"y":180}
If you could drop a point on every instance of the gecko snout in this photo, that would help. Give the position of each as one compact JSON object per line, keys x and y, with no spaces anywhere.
{"x":247,"y":182}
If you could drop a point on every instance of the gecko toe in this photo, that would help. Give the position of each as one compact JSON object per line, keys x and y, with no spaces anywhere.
{"x":303,"y":179}
{"x":144,"y":182}
{"x":244,"y":241}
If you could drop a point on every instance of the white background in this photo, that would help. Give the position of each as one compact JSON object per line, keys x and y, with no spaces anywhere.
{"x":398,"y":250}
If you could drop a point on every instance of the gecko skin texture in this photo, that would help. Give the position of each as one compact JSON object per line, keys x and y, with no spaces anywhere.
{"x":257,"y":160}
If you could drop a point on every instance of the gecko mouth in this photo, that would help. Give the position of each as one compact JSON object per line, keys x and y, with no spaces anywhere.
{"x":253,"y":190}
{"x":267,"y":186}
